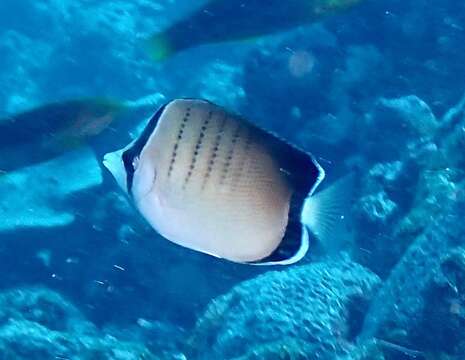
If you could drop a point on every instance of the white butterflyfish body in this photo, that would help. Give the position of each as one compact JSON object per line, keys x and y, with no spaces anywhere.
{"x":211,"y":181}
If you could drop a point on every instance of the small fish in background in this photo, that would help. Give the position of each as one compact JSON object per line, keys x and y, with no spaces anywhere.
{"x":211,"y":181}
{"x":48,"y":131}
{"x":228,"y":20}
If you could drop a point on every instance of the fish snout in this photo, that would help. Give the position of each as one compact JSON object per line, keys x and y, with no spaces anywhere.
{"x":113,"y":162}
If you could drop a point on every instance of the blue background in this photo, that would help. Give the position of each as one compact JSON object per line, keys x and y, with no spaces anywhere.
{"x":375,"y":90}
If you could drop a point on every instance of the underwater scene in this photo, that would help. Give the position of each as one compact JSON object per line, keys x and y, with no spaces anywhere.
{"x":232,"y":179}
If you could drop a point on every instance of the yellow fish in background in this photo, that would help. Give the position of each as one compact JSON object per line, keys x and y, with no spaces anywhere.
{"x":227,"y":20}
{"x":48,"y":131}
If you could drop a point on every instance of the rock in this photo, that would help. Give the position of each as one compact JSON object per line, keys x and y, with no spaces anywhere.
{"x":412,"y":114}
{"x":44,"y":307}
{"x":37,"y":323}
{"x":370,"y":350}
{"x":419,"y":305}
{"x":32,"y":341}
{"x":420,"y":302}
{"x":410,"y":181}
{"x":405,"y":122}
{"x":377,"y":208}
{"x":305,"y":312}
{"x":442,"y":325}
{"x":314,"y":86}
{"x":32,"y":196}
{"x":385,"y":195}
{"x":418,"y":50}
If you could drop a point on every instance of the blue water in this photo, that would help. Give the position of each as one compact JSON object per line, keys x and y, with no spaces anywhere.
{"x":377,"y":90}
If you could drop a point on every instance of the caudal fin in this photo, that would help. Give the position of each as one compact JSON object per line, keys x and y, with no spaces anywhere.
{"x":159,"y":47}
{"x":325,"y":213}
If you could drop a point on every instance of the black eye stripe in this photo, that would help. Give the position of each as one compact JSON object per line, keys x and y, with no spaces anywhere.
{"x":135,"y":150}
{"x":128,"y":158}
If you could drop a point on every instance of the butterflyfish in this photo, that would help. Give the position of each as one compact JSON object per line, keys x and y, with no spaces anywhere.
{"x":210,"y":180}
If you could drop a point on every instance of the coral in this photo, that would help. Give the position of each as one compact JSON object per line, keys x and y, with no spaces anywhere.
{"x":42,"y":306}
{"x":404,"y":121}
{"x":369,"y":350}
{"x":36,"y":323}
{"x":411,"y":114}
{"x":410,"y":181}
{"x":292,"y":349}
{"x":419,"y":305}
{"x":397,"y":308}
{"x":377,"y":207}
{"x":282,"y":349}
{"x":29,"y":340}
{"x":272,"y":315}
{"x":315,"y":86}
{"x":442,"y":326}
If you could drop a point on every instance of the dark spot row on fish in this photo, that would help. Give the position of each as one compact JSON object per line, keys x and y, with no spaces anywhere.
{"x":283,"y":187}
{"x":243,"y":158}
{"x":214,"y":149}
{"x":198,"y":146}
{"x":230,"y":154}
{"x":178,"y":141}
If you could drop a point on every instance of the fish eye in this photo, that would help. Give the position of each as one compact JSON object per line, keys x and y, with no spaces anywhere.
{"x":135,"y":162}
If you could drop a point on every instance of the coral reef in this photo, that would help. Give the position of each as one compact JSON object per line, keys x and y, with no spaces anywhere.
{"x":307,"y":312}
{"x":36,"y":323}
{"x":412,"y":180}
{"x":421,"y":299}
{"x":373,"y":92}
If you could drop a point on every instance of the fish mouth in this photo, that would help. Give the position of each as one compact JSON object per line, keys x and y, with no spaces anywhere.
{"x":114,"y":165}
{"x":108,"y":162}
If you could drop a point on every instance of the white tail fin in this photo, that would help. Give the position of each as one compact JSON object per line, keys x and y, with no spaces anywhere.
{"x":324,"y":213}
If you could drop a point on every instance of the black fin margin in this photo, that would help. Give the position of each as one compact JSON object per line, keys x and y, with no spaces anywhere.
{"x":301,"y":169}
{"x":302,"y":173}
{"x":292,"y":240}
